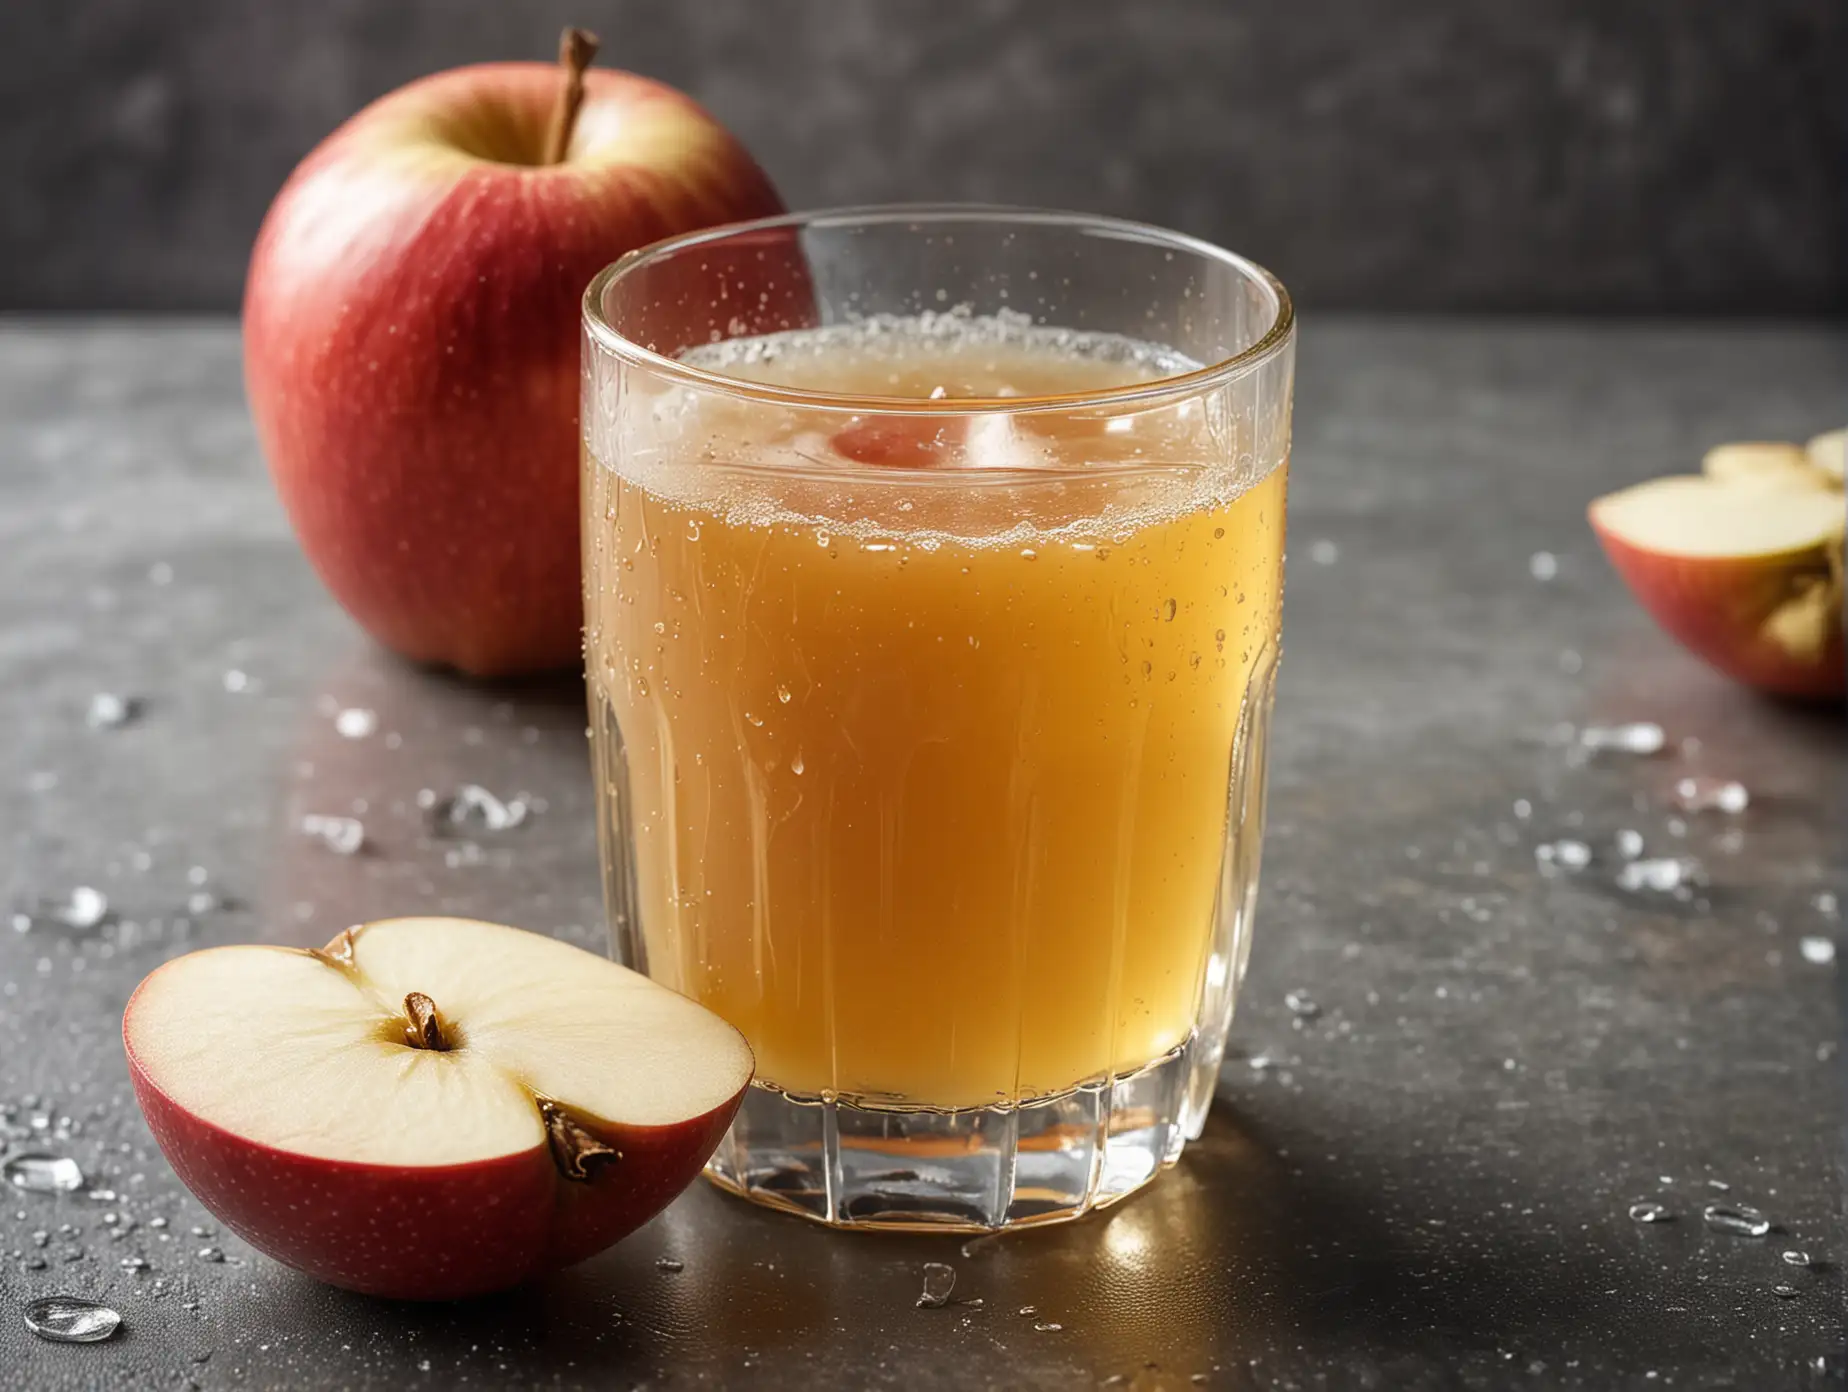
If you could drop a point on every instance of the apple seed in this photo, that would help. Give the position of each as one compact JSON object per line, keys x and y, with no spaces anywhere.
{"x":424,"y":1030}
{"x":573,"y":1148}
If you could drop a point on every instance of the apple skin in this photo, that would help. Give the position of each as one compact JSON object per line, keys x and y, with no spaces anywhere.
{"x":411,"y":342}
{"x":441,"y":1232}
{"x":1717,"y":608}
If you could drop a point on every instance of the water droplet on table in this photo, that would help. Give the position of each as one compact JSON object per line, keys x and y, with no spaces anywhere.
{"x":43,"y":1174}
{"x":939,"y":1281}
{"x":133,"y":1263}
{"x":1796,"y":1257}
{"x":211,"y":1254}
{"x":669,"y":1264}
{"x":1737,"y":1220}
{"x":1634,"y":737}
{"x":1301,"y":1004}
{"x":356,"y":722}
{"x":1048,"y":1327}
{"x":86,"y":908}
{"x":341,"y":835}
{"x":1659,"y":876}
{"x":1569,"y":855}
{"x":109,"y":711}
{"x":1704,"y":794}
{"x":1650,"y":1212}
{"x":1817,"y":951}
{"x":472,"y":805}
{"x":64,"y":1319}
{"x":1783,"y":1292}
{"x":1028,"y":1311}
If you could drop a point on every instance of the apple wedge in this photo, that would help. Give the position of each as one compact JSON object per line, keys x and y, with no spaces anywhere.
{"x":429,"y":1108}
{"x":1765,"y":464}
{"x":1748,"y":578}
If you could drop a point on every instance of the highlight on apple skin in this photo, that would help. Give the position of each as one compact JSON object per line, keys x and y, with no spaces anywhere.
{"x":429,"y":1108}
{"x":1743,"y":564}
{"x":411,"y":341}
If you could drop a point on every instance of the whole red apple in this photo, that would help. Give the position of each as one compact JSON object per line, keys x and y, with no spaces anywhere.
{"x":411,"y":340}
{"x":429,"y":1108}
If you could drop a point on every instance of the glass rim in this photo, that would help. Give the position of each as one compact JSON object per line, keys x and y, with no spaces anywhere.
{"x":1268,"y":345}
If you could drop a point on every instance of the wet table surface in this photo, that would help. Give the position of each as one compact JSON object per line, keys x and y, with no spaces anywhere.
{"x":1427,"y":1184}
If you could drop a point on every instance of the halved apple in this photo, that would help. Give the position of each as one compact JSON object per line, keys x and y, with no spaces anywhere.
{"x":429,"y":1108}
{"x":1748,"y":578}
{"x":1764,"y":464}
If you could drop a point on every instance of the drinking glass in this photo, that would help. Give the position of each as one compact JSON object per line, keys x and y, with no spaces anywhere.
{"x":932,"y":577}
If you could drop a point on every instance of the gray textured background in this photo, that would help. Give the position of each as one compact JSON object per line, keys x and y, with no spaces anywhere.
{"x":1587,"y":155}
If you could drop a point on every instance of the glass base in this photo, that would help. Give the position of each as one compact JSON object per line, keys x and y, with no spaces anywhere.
{"x":979,"y":1170}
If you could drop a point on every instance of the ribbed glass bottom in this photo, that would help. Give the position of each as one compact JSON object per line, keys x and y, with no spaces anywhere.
{"x":979,"y":1170}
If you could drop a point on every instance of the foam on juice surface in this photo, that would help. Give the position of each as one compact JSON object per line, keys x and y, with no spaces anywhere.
{"x":990,"y":475}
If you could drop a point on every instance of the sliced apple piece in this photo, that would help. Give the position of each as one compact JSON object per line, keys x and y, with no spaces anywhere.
{"x":1749,"y":579}
{"x":1764,"y":464}
{"x":1826,"y":451}
{"x":429,"y":1108}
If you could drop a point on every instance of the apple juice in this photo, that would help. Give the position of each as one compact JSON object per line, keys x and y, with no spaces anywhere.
{"x":913,"y":728}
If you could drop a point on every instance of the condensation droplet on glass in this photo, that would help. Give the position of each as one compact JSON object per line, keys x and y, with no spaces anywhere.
{"x":692,"y":529}
{"x":1629,"y":843}
{"x":64,"y":1319}
{"x":755,"y":720}
{"x":1169,"y":610}
{"x":939,"y":1281}
{"x":1543,"y":565}
{"x":796,"y":766}
{"x":1818,"y":952}
{"x":783,"y":695}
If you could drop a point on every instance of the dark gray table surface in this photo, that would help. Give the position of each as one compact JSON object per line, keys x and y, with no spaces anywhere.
{"x":1428,"y":1185}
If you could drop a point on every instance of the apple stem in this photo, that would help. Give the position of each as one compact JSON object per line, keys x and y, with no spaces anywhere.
{"x":576,"y":47}
{"x":425,"y":1031}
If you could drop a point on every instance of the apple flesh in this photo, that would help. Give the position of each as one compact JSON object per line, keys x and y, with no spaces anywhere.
{"x":1747,"y":577}
{"x":429,"y":1108}
{"x":1764,"y":464}
{"x":411,"y":341}
{"x":1829,"y":453}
